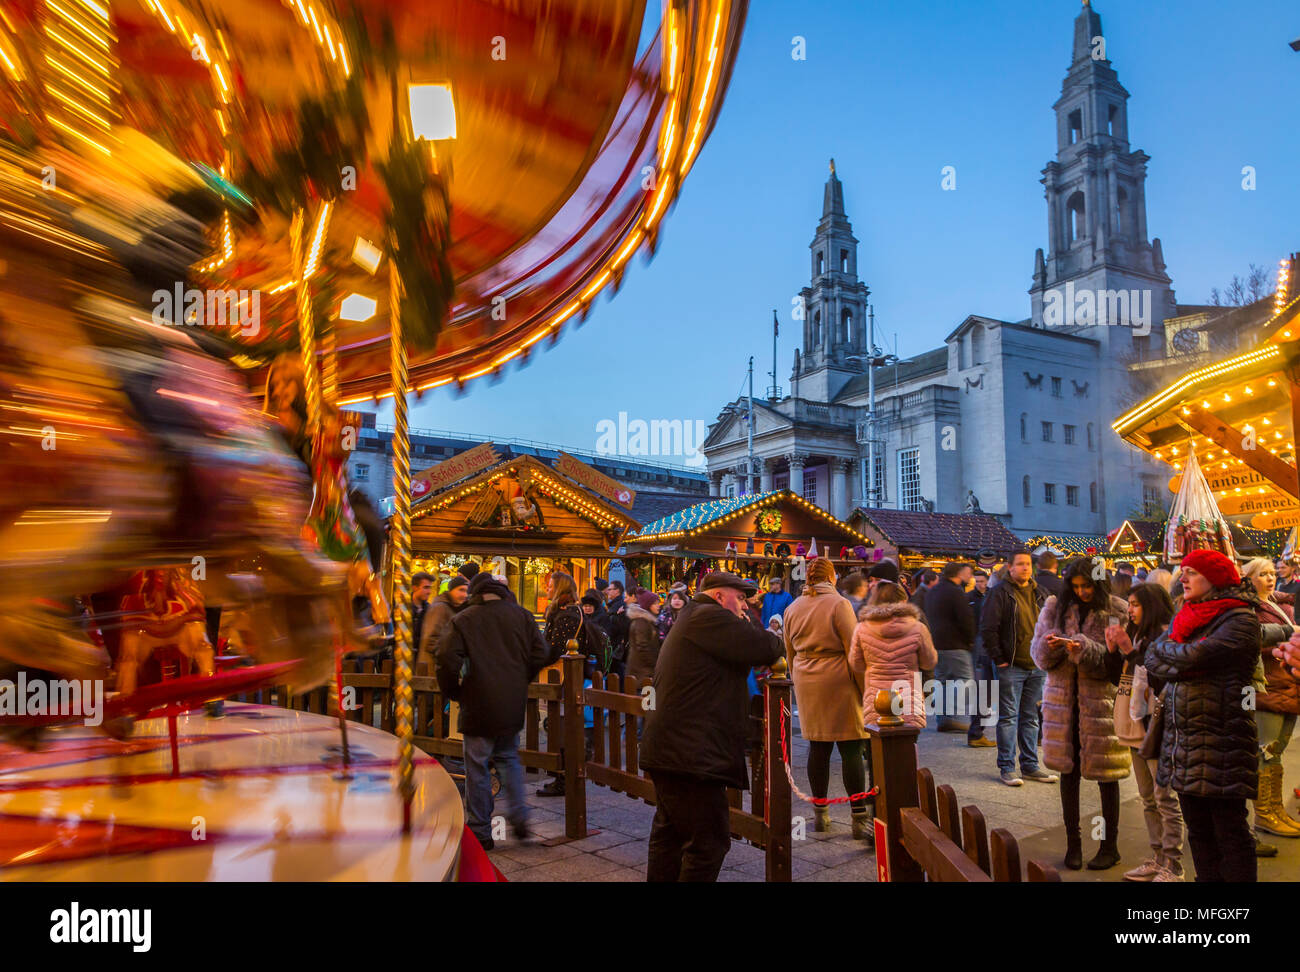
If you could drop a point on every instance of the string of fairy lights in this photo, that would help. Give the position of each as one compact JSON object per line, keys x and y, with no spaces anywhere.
{"x":705,"y":517}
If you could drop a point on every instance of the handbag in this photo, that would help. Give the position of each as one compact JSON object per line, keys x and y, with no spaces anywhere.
{"x":1155,"y":736}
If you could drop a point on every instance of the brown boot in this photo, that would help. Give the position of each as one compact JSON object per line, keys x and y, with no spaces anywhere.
{"x":821,"y":819}
{"x":1269,"y":815}
{"x":862,"y":826}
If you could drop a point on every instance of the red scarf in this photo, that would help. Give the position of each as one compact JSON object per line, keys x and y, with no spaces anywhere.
{"x":1195,"y":615}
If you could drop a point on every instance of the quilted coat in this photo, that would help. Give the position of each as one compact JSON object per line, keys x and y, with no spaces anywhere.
{"x":1210,"y":744}
{"x":1083,"y":691}
{"x":890,"y":648}
{"x":642,"y":642}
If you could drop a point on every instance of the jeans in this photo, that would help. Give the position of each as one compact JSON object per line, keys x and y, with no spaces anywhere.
{"x":504,"y":752}
{"x":691,"y":833}
{"x":1218,"y":832}
{"x":1275,"y":729}
{"x":986,"y":678}
{"x":956,"y":687}
{"x":1163,"y":816}
{"x":1020,"y":690}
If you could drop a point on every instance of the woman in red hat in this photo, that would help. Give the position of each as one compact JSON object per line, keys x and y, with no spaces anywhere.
{"x":1209,"y":751}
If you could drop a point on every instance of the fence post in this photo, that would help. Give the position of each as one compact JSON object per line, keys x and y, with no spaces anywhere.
{"x":776,"y":691}
{"x":893,"y":760}
{"x":574,"y":746}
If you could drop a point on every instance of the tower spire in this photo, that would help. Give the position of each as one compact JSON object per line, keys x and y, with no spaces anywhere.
{"x":833,"y":197}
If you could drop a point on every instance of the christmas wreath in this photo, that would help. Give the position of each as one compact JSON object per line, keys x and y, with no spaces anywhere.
{"x":768,"y":522}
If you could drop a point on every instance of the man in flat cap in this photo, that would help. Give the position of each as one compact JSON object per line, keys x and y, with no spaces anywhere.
{"x":693,"y":746}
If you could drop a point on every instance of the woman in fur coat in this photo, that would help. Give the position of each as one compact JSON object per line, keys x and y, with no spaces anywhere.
{"x":1079,"y":701}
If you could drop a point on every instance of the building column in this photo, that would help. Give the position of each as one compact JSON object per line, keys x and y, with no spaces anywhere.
{"x":715,"y":484}
{"x":765,"y":475}
{"x":837,"y":501}
{"x":744,"y":481}
{"x":796,"y":460}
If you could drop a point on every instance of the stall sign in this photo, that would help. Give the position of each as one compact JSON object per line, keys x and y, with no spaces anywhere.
{"x":580,"y":472}
{"x":1277,"y":520}
{"x":458,"y":467}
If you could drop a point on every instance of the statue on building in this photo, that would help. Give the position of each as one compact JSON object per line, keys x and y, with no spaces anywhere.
{"x":972,"y":502}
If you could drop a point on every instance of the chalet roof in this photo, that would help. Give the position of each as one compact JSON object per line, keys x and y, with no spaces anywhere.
{"x":703,"y":515}
{"x":958,"y":533}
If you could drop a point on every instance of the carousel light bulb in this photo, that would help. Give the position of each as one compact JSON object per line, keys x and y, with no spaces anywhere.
{"x":433,"y":113}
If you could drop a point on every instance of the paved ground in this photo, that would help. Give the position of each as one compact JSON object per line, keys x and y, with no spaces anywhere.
{"x":1031,"y":812}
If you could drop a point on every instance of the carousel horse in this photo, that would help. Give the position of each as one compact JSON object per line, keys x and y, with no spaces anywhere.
{"x":126,"y":443}
{"x":166,"y":609}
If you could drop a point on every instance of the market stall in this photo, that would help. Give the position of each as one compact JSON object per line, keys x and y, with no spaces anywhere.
{"x":521,"y":519}
{"x":752,"y":535}
{"x":919,"y":539}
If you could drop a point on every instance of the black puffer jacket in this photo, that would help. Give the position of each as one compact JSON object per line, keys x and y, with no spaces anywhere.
{"x":951,"y":617}
{"x":496,"y":645}
{"x":1210,"y":746}
{"x":701,"y":709}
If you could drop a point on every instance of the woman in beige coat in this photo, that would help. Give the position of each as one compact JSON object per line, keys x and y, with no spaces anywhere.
{"x":1079,"y":702}
{"x":818,"y":633}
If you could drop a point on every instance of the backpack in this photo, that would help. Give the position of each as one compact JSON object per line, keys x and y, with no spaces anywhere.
{"x":596,"y":643}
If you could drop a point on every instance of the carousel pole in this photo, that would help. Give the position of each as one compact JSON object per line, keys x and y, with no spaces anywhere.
{"x":306,"y":327}
{"x":400,"y":544}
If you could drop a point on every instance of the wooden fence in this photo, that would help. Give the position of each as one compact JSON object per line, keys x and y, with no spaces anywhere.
{"x":928,"y":838}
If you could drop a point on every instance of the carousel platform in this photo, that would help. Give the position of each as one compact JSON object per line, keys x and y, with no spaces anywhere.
{"x":255,"y":796}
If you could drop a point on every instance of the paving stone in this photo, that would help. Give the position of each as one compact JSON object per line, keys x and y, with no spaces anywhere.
{"x":627,"y":855}
{"x":532,"y":853}
{"x":583,"y":867}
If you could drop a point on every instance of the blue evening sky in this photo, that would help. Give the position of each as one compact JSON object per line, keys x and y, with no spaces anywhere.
{"x":895,"y":90}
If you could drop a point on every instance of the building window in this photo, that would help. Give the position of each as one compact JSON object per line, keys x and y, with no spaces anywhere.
{"x":1072,"y":495}
{"x":1076,"y":212}
{"x":1024,"y":485}
{"x":844,"y":261}
{"x":1049,"y":493}
{"x":879,"y":483}
{"x":1092,"y":497}
{"x":810,"y":490}
{"x":821,"y":264}
{"x":1024,"y":426}
{"x":1076,"y":125}
{"x":817,"y":329}
{"x":1091,"y":442}
{"x":731,"y":491}
{"x":1112,"y":120}
{"x":909,"y":479}
{"x":1121,"y":204}
{"x":1151,"y":494}
{"x":1069,"y":435}
{"x":846,"y":326}
{"x":1047,"y":431}
{"x":1056,"y":387}
{"x":361,"y":472}
{"x":977,"y":345}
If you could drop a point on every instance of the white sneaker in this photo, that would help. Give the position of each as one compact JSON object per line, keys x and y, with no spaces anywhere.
{"x":1166,"y":875}
{"x":1146,"y":871}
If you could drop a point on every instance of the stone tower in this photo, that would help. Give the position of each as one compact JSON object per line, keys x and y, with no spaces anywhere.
{"x":1101,"y":278}
{"x":835,"y":306}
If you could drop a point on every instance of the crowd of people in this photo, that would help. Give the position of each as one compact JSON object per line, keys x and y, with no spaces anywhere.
{"x":1187,"y":678}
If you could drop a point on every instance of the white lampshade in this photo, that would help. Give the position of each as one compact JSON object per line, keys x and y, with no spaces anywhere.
{"x":357,"y":307}
{"x":433,"y":113}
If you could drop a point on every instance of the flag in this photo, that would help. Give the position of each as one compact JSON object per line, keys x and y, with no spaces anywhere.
{"x":776,"y":327}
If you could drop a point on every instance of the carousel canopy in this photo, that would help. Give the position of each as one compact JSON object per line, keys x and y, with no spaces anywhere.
{"x":558,"y":146}
{"x":1237,"y":416}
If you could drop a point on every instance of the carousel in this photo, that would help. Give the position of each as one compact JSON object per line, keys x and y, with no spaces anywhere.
{"x":1228,"y":432}
{"x":220,"y":226}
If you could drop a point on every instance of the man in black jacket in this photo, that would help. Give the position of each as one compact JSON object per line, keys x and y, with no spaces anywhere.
{"x":619,"y":624}
{"x":952,"y":626}
{"x":491,"y":651}
{"x":693,"y":746}
{"x":986,"y":679}
{"x":1048,"y":579}
{"x":1006,"y":629}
